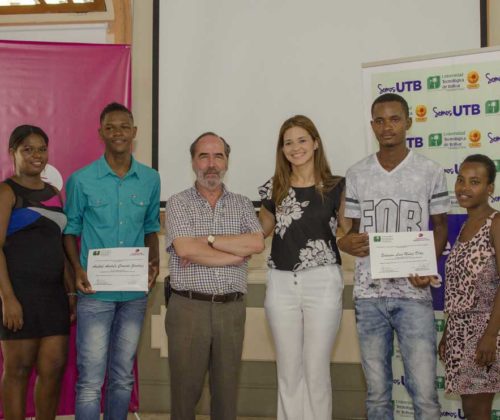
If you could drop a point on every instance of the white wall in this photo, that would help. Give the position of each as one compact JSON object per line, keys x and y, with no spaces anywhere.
{"x":241,"y":67}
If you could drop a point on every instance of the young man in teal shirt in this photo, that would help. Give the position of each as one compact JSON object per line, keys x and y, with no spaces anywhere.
{"x":113,"y":202}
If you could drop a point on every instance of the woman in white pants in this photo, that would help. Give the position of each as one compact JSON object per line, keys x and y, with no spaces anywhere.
{"x":301,"y":205}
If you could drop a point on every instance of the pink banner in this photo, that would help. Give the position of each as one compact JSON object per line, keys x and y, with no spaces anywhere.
{"x":62,"y":88}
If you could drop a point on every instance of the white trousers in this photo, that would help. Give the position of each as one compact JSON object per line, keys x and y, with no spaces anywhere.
{"x":304,"y":310}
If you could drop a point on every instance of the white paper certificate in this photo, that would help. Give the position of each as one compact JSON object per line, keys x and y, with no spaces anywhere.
{"x":399,"y":254}
{"x":118,"y":269}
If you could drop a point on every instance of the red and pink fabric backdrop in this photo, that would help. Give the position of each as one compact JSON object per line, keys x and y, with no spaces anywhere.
{"x":62,"y":88}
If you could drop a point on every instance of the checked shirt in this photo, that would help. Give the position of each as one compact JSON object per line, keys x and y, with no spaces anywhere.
{"x":188,"y":214}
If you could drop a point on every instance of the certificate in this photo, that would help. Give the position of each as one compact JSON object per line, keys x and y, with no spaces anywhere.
{"x":399,"y":254}
{"x":118,"y":269}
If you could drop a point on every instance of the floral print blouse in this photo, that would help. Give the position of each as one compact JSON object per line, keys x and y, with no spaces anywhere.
{"x":306,"y":223}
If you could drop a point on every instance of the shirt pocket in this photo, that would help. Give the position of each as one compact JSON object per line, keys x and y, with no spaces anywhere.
{"x":99,"y":211}
{"x":138,"y":208}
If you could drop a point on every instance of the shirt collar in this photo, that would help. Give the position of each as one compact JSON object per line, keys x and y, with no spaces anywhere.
{"x":197,"y":194}
{"x":104,"y":168}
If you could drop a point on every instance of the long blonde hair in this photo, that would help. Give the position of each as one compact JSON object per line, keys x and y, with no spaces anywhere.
{"x":323,"y":178}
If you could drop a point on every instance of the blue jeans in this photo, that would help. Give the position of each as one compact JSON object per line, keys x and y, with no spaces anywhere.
{"x":106,"y":342}
{"x":413,"y":321}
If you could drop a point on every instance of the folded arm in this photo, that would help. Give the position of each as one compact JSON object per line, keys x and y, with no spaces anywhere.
{"x":197,"y":251}
{"x":243,"y":245}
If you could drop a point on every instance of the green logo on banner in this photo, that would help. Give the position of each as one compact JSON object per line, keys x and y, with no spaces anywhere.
{"x":376,"y":239}
{"x":439,"y":323}
{"x":440,"y":382}
{"x":495,"y":415}
{"x":497,"y":165}
{"x":492,"y":106}
{"x":435,"y":140}
{"x":433,"y":82}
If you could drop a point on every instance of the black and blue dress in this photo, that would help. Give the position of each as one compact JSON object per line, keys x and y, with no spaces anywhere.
{"x":35,"y":262}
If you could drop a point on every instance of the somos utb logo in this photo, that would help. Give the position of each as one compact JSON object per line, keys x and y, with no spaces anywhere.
{"x":493,"y":138}
{"x":404,"y":86}
{"x":453,"y":170}
{"x":458,"y":111}
{"x":492,"y":78}
{"x":455,"y":414}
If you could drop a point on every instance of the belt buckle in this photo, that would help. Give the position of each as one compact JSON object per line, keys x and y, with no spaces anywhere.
{"x":215,"y":301}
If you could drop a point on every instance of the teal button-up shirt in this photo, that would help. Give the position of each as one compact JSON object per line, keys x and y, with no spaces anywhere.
{"x":107,"y":211}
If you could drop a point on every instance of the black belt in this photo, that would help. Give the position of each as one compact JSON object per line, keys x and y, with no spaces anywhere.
{"x":229,"y":297}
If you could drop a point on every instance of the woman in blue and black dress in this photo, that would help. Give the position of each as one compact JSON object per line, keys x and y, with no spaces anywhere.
{"x":35,"y":294}
{"x":301,"y":205}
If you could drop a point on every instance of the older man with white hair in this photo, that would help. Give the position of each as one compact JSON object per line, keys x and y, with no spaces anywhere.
{"x":210,"y":234}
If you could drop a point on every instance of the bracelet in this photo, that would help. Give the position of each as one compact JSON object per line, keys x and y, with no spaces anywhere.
{"x":72,"y":294}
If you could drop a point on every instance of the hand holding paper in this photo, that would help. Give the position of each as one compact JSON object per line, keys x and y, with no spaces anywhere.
{"x":403,"y":254}
{"x":118,"y":269}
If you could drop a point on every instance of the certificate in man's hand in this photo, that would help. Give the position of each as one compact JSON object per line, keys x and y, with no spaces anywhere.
{"x":118,"y":269}
{"x":399,"y":254}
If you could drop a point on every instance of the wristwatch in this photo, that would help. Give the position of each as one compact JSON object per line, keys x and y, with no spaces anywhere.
{"x":211,"y":240}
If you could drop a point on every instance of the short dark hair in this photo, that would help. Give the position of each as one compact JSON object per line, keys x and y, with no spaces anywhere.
{"x":113,"y":107}
{"x":392,"y":97}
{"x":486,"y":162}
{"x":192,"y":148}
{"x":23,"y":131}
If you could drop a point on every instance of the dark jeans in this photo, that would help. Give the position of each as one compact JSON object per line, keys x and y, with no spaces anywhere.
{"x":204,"y":336}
